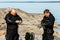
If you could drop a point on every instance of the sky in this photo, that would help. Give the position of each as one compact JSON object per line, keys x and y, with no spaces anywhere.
{"x":35,"y":7}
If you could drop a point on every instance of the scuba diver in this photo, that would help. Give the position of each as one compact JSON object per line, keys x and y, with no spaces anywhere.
{"x":48,"y":24}
{"x":12,"y":20}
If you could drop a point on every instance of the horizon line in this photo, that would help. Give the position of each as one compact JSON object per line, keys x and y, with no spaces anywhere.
{"x":29,"y":1}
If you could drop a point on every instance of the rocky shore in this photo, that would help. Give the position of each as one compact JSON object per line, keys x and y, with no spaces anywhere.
{"x":31,"y":23}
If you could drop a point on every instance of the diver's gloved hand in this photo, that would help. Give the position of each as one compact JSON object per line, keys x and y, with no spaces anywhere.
{"x":18,"y":22}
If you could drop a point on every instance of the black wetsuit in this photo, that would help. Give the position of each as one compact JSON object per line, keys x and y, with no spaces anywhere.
{"x":12,"y":27}
{"x":48,"y":24}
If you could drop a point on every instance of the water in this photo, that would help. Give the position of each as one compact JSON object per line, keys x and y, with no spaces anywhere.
{"x":36,"y":8}
{"x":57,"y":29}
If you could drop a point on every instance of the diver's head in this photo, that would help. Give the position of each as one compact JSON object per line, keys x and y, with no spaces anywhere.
{"x":46,"y":12}
{"x":13,"y":12}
